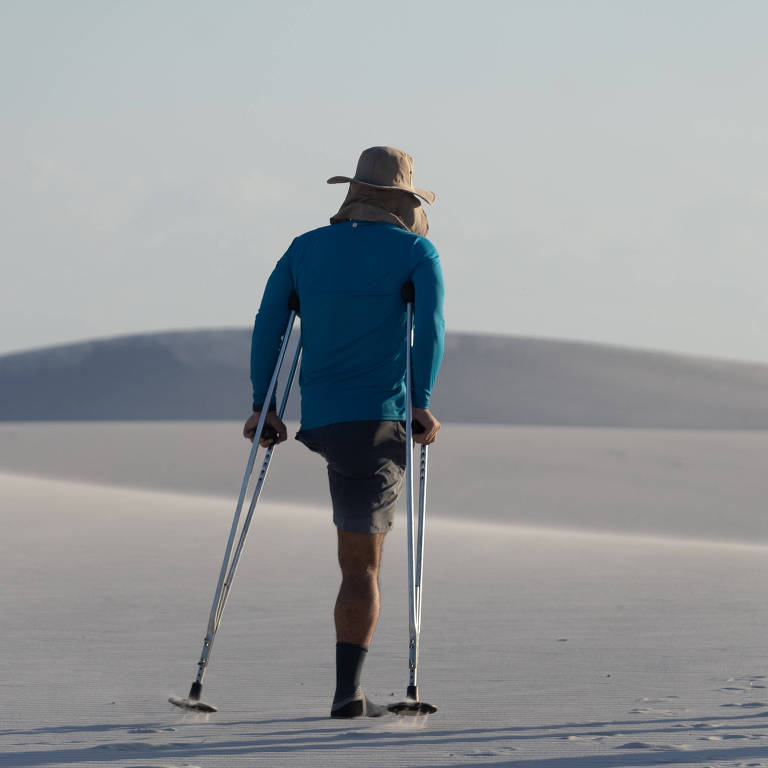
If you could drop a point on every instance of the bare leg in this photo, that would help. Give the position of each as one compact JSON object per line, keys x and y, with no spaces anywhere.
{"x":357,"y":606}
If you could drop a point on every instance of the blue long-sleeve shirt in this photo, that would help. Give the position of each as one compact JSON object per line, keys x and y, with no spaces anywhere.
{"x":348,"y":277}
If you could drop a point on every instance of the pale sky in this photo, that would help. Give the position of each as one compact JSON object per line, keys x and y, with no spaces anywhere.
{"x":601,"y":166}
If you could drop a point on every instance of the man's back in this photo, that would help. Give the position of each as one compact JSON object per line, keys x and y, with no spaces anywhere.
{"x":349,"y":277}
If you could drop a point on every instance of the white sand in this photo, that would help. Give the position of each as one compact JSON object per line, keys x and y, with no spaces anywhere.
{"x":697,"y":484}
{"x":541,"y":647}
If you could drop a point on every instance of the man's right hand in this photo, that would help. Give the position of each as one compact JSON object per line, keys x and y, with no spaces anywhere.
{"x":272,"y":420}
{"x":431,"y":426}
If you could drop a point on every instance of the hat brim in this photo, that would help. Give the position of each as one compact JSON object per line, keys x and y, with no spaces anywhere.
{"x":424,"y":194}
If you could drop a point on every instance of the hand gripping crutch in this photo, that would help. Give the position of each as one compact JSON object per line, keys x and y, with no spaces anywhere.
{"x":412,"y":705}
{"x":231,"y":559}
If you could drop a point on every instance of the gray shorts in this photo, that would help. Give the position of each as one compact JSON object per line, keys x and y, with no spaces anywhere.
{"x":366,"y":465}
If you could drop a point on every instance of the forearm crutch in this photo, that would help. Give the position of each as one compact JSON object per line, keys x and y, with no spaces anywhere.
{"x":412,"y":705}
{"x":231,"y":559}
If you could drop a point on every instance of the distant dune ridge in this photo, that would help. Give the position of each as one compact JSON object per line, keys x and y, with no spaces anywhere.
{"x":203,"y":375}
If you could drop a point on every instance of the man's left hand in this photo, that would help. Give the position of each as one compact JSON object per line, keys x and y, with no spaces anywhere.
{"x":430,"y":425}
{"x":273,"y":422}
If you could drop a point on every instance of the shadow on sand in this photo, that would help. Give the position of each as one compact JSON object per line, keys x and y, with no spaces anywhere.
{"x":313,"y":734}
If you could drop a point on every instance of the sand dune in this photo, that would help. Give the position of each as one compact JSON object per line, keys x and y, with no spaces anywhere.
{"x":484,"y":379}
{"x":698,"y":484}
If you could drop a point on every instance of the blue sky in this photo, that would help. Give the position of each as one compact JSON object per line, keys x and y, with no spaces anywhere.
{"x":600,"y":166}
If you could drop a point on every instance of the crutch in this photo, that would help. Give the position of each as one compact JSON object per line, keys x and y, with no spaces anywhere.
{"x":412,"y":705}
{"x":231,"y":559}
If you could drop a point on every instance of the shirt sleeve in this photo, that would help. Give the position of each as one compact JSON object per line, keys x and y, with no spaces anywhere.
{"x":269,"y":329}
{"x":428,"y":326}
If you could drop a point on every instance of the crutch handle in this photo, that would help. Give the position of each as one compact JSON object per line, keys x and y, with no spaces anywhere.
{"x":417,"y":427}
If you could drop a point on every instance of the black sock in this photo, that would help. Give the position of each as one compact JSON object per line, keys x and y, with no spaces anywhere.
{"x":349,"y":664}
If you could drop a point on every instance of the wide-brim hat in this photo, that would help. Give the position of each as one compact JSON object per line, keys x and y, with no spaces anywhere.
{"x":385,"y":168}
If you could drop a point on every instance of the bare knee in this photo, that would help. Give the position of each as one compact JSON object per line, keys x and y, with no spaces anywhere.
{"x":360,"y":555}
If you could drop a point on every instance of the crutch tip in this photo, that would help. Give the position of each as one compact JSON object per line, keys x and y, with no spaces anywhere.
{"x":412,"y":708}
{"x":191,"y":705}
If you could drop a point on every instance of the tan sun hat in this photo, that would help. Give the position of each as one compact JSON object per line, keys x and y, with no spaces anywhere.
{"x":386,"y":168}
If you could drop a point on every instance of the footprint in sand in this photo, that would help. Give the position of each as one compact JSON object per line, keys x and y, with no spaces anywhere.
{"x":654,"y":747}
{"x":149,"y":730}
{"x":745,"y":682}
{"x":164,"y":765}
{"x":657,"y":700}
{"x":129,"y":746}
{"x":735,"y":765}
{"x":647,"y":709}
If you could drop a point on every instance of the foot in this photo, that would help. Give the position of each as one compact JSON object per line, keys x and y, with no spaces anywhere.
{"x":356,"y":707}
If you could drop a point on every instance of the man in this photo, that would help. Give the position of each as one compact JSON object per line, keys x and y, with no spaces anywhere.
{"x":348,"y":277}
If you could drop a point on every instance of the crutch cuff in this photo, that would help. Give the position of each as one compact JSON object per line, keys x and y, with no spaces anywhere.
{"x":257,"y":407}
